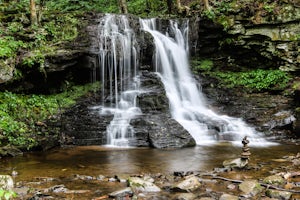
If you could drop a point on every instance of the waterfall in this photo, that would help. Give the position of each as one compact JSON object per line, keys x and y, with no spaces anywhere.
{"x":187,"y":104}
{"x":118,"y":60}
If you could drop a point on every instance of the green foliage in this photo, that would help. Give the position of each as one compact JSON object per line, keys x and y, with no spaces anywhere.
{"x":255,"y":80}
{"x":7,"y":194}
{"x":202,"y":65}
{"x":147,"y":8}
{"x":269,"y":7}
{"x":210,"y":14}
{"x":35,"y":57}
{"x":19,"y":113}
{"x":9,"y":46}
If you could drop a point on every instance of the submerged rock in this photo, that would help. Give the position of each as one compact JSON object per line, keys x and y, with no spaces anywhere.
{"x":235,"y":163}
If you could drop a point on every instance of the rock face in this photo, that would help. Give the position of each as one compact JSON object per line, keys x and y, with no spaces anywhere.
{"x":252,"y":37}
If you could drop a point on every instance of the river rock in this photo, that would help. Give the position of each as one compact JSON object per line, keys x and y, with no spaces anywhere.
{"x":235,"y":163}
{"x":121,"y":193}
{"x":278,"y":194}
{"x":139,"y":185}
{"x":228,"y":197}
{"x":6,"y":182}
{"x":185,"y":196}
{"x":190,"y":184}
{"x":274,"y":180}
{"x":250,"y":187}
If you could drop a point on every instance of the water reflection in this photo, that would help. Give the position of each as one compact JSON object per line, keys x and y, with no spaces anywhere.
{"x":96,"y":160}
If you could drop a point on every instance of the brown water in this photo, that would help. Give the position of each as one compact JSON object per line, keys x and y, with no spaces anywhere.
{"x":100,"y":160}
{"x":43,"y":170}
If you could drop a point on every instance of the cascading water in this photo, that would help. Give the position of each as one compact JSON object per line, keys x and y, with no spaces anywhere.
{"x":118,"y":59}
{"x":187,"y":103}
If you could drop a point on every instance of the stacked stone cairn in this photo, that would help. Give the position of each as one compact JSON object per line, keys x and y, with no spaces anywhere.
{"x":245,"y":155}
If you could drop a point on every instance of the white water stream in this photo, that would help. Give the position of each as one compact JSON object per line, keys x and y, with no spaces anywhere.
{"x":118,"y":59}
{"x":187,"y":103}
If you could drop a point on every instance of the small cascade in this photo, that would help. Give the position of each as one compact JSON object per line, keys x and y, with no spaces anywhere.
{"x":187,"y":104}
{"x":118,"y":60}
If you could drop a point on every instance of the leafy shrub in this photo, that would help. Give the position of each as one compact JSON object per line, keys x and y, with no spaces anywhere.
{"x":7,"y":194}
{"x":202,"y":65}
{"x":9,"y":46}
{"x":255,"y":80}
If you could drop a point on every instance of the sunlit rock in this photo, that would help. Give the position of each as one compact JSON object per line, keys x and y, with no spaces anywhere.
{"x":190,"y":184}
{"x":6,"y":182}
{"x":250,"y":187}
{"x":139,"y":185}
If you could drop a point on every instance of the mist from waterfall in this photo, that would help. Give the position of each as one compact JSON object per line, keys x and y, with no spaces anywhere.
{"x":187,"y":104}
{"x":118,"y":60}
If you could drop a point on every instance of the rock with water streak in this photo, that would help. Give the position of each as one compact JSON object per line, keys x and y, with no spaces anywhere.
{"x":278,"y":194}
{"x":139,"y":185}
{"x":250,"y":187}
{"x":190,"y":184}
{"x":6,"y":182}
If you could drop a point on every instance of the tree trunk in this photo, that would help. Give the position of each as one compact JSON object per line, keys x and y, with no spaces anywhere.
{"x":206,"y":4}
{"x":33,"y":15}
{"x":178,"y":4}
{"x":169,"y":3}
{"x":123,"y":6}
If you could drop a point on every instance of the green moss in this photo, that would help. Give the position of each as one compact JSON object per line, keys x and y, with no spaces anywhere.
{"x":19,"y":113}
